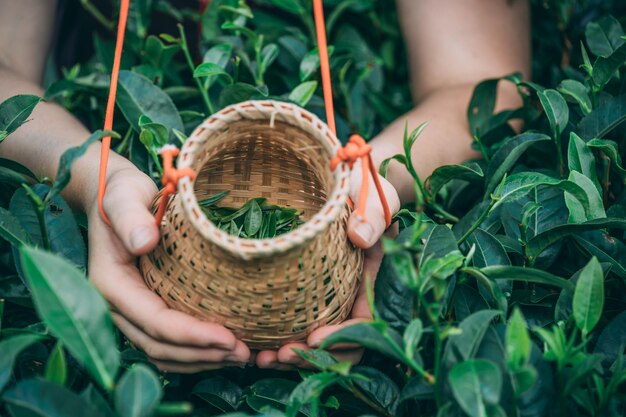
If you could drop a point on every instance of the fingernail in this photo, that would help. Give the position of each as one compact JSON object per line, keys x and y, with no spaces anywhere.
{"x":364,"y":231}
{"x":315,"y":343}
{"x":140,"y":237}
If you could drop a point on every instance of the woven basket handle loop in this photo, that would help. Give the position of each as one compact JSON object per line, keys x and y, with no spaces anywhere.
{"x":170,"y":178}
{"x":356,"y":149}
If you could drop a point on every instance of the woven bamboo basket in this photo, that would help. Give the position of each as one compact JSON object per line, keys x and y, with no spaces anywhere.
{"x":267,"y":291}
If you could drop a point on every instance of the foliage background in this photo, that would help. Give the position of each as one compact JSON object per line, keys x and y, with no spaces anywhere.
{"x":531,"y":344}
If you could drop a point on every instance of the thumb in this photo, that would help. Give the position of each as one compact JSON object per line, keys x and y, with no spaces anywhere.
{"x":365,"y":234}
{"x":126,"y":203}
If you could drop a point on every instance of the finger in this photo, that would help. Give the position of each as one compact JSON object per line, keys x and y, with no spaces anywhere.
{"x":286,"y":354}
{"x":316,"y":338}
{"x":166,"y":352}
{"x":366,"y":233}
{"x":126,"y":204}
{"x":192,"y":368}
{"x":124,"y":289}
{"x":268,"y":359}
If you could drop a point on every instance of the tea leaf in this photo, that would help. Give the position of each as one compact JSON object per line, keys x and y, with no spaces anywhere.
{"x":469,"y":171}
{"x":63,"y":233}
{"x":272,"y":392}
{"x":11,"y":230}
{"x":577,"y":211}
{"x":610,"y":149}
{"x":580,"y":158}
{"x":219,"y":55}
{"x":556,"y":110}
{"x":137,"y":96}
{"x":378,"y":386}
{"x":518,"y":344}
{"x":518,"y":273}
{"x":605,"y":68}
{"x":239,"y":92}
{"x":254,"y":219}
{"x":311,"y":63}
{"x":374,"y":335}
{"x":38,"y":397}
{"x":506,"y":156}
{"x":540,"y":242}
{"x":74,"y":311}
{"x":220,"y":393}
{"x":577,"y":92}
{"x":476,"y":384}
{"x":604,"y":36}
{"x":303,"y":93}
{"x":209,"y":69}
{"x":604,"y":119}
{"x":464,"y":345}
{"x":138,"y":392}
{"x":14,"y":111}
{"x":489,"y":251}
{"x":11,"y":348}
{"x":412,"y":336}
{"x":64,"y":172}
{"x":213,"y":200}
{"x":56,"y":368}
{"x":588,"y":300}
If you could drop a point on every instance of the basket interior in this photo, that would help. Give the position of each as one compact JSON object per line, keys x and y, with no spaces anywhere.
{"x":282,"y":163}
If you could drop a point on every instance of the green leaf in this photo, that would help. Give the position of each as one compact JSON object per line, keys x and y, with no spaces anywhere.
{"x":610,"y":149}
{"x":209,"y":69}
{"x":14,"y":111}
{"x":576,"y":91}
{"x":220,"y":392}
{"x":439,"y":242}
{"x":577,"y":211}
{"x":556,"y":110}
{"x":292,"y":6}
{"x":269,"y":53}
{"x":238,"y":92}
{"x":518,"y":185}
{"x":604,"y":119}
{"x":403,"y":264}
{"x":373,"y":335}
{"x":604,"y":36}
{"x":580,"y":158}
{"x":540,"y":242}
{"x":475,"y":385}
{"x":254,"y":219}
{"x":440,"y":268}
{"x":489,"y":251}
{"x":468,"y":171}
{"x":213,"y":200}
{"x":605,"y":68}
{"x":464,"y":345}
{"x":219,"y":55}
{"x":310,"y":390}
{"x":63,"y":232}
{"x":507,"y":155}
{"x":11,"y":230}
{"x":138,"y":392}
{"x":64,"y":172}
{"x":482,"y":105}
{"x":272,"y":392}
{"x":11,"y":348}
{"x":384,"y":166}
{"x":56,"y":368}
{"x":137,"y":96}
{"x":377,"y":386}
{"x":311,"y":63}
{"x":37,"y":397}
{"x":302,"y":93}
{"x":588,"y":300}
{"x":412,"y":336}
{"x":74,"y":311}
{"x":519,"y":273}
{"x":518,"y":344}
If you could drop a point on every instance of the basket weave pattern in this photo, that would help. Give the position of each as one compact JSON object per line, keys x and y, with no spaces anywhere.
{"x":267,"y":291}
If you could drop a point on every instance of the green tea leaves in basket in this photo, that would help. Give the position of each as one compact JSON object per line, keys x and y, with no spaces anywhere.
{"x":254,"y":220}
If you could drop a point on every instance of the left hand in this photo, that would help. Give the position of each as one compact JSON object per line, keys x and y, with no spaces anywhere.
{"x":366,"y":236}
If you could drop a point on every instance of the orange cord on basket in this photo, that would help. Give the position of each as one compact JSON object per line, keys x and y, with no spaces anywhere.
{"x":108,"y":118}
{"x":170,"y":178}
{"x":356,"y":147}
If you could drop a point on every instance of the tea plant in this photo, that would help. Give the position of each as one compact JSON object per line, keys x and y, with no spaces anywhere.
{"x":502,"y":295}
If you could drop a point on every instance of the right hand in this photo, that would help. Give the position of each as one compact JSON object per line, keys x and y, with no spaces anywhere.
{"x":174,"y":341}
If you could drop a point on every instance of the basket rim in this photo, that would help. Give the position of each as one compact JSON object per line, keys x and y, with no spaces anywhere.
{"x":270,"y":110}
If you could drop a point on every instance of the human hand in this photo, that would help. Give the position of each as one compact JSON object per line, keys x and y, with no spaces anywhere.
{"x":365,"y":235}
{"x":173,"y":340}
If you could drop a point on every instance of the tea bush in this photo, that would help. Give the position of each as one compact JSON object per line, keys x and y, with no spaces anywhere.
{"x":503,"y":295}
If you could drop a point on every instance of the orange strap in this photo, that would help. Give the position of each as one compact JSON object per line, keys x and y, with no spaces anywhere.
{"x":356,"y":147}
{"x":170,"y":178}
{"x":108,"y":118}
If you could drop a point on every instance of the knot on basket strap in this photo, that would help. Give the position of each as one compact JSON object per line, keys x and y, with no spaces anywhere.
{"x":356,"y":149}
{"x":170,"y":178}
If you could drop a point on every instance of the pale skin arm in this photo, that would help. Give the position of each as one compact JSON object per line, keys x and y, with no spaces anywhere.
{"x":174,"y":341}
{"x":452,"y":46}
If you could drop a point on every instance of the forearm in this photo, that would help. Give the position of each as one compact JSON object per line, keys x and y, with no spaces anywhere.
{"x":446,"y":140}
{"x":39,"y":143}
